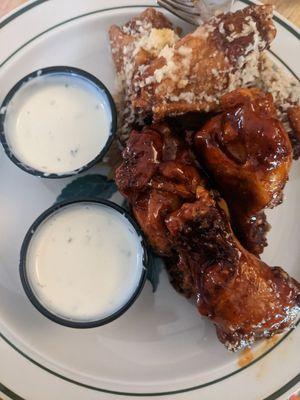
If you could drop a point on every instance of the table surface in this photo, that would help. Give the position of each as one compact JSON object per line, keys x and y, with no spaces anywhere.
{"x":289,"y":8}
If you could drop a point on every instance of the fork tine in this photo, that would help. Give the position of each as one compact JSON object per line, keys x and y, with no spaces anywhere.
{"x":187,"y":3}
{"x":195,"y":11}
{"x":180,"y":14}
{"x":178,"y":5}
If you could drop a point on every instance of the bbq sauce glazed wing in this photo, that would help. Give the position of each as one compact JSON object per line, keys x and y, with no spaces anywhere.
{"x":244,"y":298}
{"x":157,"y":175}
{"x":248,"y":153}
{"x":217,"y":57}
{"x":251,"y":231}
{"x":293,"y":116}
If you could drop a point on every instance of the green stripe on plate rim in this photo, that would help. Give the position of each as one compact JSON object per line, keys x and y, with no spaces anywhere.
{"x":14,"y":396}
{"x":7,"y":392}
{"x":19,"y":12}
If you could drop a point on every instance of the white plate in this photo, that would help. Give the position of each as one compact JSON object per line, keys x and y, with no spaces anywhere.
{"x":161,"y":346}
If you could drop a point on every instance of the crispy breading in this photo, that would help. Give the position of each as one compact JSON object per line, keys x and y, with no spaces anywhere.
{"x":217,"y":57}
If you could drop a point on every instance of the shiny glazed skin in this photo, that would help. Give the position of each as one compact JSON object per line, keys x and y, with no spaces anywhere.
{"x":157,"y":175}
{"x":244,"y":298}
{"x":248,"y":154}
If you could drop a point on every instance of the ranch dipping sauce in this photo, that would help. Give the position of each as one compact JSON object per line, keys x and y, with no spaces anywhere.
{"x":84,"y":262}
{"x":57,"y":123}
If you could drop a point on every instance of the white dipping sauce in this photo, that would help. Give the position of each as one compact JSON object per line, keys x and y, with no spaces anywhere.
{"x":57,"y":123}
{"x":84,"y":262}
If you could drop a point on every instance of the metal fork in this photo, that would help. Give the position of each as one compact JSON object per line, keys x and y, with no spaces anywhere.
{"x":196,"y":11}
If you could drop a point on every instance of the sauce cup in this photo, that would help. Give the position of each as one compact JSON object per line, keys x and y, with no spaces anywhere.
{"x":57,"y":122}
{"x":68,"y":275}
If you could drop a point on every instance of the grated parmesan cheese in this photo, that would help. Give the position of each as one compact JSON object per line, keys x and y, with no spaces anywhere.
{"x":156,"y":40}
{"x":284,"y":88}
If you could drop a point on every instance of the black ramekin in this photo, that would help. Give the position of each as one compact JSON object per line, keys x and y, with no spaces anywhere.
{"x":26,"y":284}
{"x":57,"y":70}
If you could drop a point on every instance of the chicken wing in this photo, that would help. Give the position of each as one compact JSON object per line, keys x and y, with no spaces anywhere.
{"x":247,"y":152}
{"x":162,"y":75}
{"x":134,"y":46}
{"x":129,"y":42}
{"x":244,"y":298}
{"x":193,"y":73}
{"x":154,"y":183}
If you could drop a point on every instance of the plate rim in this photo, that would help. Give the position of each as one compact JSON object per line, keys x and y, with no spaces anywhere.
{"x":275,"y":395}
